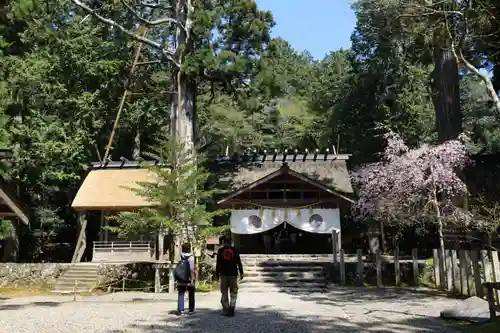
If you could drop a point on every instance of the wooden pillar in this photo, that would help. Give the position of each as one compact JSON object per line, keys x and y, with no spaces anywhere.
{"x":339,"y":240}
{"x":334,"y":245}
{"x":81,"y":242}
{"x":373,"y":237}
{"x":360,"y":268}
{"x":102,"y":229}
{"x":378,"y":258}
{"x":157,"y":279}
{"x":416,"y":271}
{"x":397,"y":271}
{"x":161,"y":247}
{"x":171,"y":284}
{"x":342,"y":267}
{"x":106,"y":231}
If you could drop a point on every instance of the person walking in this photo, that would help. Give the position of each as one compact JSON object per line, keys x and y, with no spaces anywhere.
{"x":185,"y":277}
{"x":227,"y":268}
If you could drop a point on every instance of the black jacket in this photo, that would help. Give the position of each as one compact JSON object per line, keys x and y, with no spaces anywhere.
{"x":228,"y":262}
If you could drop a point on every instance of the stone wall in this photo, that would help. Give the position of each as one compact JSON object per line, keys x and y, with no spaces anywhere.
{"x":138,"y":276}
{"x":28,"y":274}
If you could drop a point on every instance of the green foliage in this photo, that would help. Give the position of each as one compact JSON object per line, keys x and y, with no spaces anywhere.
{"x":6,"y":229}
{"x":487,"y":214}
{"x":62,"y":77}
{"x":180,"y":195}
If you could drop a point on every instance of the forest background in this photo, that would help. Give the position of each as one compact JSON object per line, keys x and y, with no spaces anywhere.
{"x":428,"y":72}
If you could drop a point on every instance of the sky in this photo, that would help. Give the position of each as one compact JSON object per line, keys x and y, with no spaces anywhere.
{"x":318,"y":26}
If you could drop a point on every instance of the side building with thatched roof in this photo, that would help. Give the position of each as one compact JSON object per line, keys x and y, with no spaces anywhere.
{"x":107,"y":189}
{"x":286,"y":202}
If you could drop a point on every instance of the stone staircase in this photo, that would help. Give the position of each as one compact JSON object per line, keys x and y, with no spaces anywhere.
{"x":284,"y":273}
{"x":85,"y":275}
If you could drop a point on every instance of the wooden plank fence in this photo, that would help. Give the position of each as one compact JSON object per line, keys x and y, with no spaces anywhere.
{"x":462,"y":272}
{"x":467,"y":275}
{"x":356,"y":268}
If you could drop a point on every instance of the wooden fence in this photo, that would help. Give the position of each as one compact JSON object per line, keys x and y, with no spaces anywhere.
{"x":463,"y":272}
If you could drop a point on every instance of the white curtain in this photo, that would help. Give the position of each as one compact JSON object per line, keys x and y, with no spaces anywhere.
{"x":246,"y":221}
{"x":317,"y":220}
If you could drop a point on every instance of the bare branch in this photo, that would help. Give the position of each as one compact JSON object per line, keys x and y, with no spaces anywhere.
{"x":460,"y":57}
{"x":431,"y":11}
{"x":154,"y":5}
{"x":149,"y":62}
{"x":149,"y":22}
{"x":167,"y":53}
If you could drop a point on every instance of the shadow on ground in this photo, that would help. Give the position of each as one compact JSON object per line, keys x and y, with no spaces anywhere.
{"x":339,"y":296}
{"x":21,"y":306}
{"x":268,"y":320}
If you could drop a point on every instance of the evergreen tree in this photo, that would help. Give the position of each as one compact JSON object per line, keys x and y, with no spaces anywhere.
{"x":181,"y":193}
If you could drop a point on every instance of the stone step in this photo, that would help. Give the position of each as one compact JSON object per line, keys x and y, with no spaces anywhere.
{"x":79,"y":274}
{"x":283,"y":268}
{"x":84,"y":273}
{"x":85,"y":266}
{"x":78,"y":278}
{"x":67,"y":291}
{"x":255,"y":286}
{"x":68,"y":282}
{"x":289,"y":266}
{"x":284,"y":263}
{"x":282,"y":281}
{"x":311,"y":256}
{"x":319,"y":259}
{"x":273,"y":273}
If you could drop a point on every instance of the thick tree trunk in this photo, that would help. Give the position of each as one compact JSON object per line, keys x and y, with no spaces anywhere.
{"x":445,"y":87}
{"x":182,"y":128}
{"x":182,"y":117}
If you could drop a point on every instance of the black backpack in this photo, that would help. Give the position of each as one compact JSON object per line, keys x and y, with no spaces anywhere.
{"x":182,"y":272}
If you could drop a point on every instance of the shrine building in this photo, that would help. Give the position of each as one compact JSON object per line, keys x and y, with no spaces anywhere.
{"x":288,"y":203}
{"x":281,"y":203}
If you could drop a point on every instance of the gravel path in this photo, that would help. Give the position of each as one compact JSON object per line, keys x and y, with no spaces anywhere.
{"x":342,"y":310}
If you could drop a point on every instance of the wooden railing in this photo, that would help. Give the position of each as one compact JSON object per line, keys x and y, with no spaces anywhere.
{"x":123,"y":251}
{"x":492,"y":290}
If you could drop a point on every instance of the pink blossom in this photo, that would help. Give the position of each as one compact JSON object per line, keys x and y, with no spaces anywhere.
{"x":399,"y":188}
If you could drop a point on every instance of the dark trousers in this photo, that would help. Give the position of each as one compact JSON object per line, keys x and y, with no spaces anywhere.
{"x":229,"y":291}
{"x":180,"y":299}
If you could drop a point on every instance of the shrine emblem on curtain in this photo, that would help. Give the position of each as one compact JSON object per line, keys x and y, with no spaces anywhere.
{"x":252,"y":221}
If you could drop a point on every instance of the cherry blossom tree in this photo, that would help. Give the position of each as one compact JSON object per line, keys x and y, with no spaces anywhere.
{"x":411,"y":186}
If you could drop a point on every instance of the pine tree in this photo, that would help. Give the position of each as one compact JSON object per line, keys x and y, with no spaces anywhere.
{"x":181,"y":196}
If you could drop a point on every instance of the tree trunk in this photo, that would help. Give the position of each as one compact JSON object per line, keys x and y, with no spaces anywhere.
{"x":445,"y":87}
{"x":442,"y":264}
{"x":182,"y":117}
{"x":382,"y":237}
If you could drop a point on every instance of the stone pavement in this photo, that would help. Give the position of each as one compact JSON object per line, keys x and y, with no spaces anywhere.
{"x":340,"y":310}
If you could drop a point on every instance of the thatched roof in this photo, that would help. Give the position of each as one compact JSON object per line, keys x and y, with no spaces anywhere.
{"x":112,"y":190}
{"x":11,"y":205}
{"x":109,"y":187}
{"x":331,"y":171}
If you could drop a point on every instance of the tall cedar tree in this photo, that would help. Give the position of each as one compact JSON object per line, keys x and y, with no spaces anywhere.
{"x":212,"y":40}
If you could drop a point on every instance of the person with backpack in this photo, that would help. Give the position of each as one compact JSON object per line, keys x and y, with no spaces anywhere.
{"x":184,"y":275}
{"x":227,"y":268}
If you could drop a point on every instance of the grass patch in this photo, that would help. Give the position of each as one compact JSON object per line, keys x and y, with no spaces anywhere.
{"x":15,"y":292}
{"x":490,"y":327}
{"x":206,"y":287}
